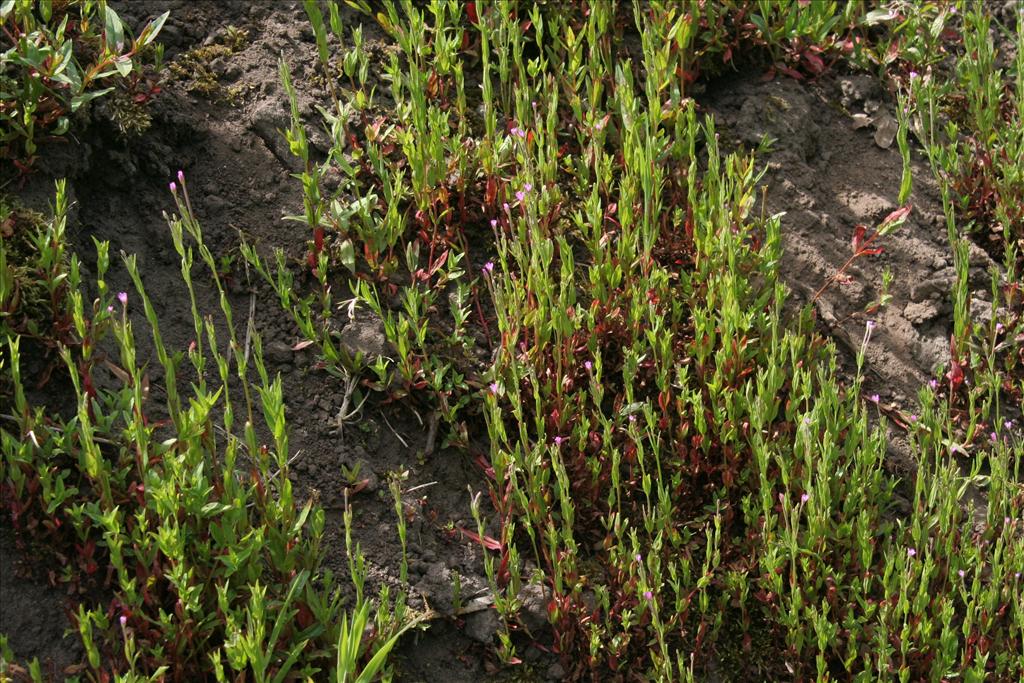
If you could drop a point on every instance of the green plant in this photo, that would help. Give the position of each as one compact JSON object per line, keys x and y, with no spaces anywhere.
{"x":215,"y":568}
{"x":62,"y":55}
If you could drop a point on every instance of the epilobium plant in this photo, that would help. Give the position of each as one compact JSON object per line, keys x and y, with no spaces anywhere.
{"x":214,"y":568}
{"x":43,"y":81}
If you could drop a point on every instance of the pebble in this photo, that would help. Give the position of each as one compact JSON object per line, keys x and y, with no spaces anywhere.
{"x":482,"y":626}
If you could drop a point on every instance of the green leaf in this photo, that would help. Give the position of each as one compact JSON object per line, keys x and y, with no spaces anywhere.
{"x":877,"y":17}
{"x":6,"y":7}
{"x":78,"y":100}
{"x":152,"y":29}
{"x":113,"y":30}
{"x":123,"y":66}
{"x":348,"y":255}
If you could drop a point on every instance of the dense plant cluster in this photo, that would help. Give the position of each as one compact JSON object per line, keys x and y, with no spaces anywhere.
{"x":673,"y":459}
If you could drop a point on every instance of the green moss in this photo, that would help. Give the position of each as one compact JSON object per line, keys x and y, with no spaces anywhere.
{"x":193,"y":67}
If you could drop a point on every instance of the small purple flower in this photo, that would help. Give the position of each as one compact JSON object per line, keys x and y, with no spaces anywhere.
{"x":632,"y":418}
{"x":505,"y":207}
{"x":648,"y":595}
{"x":520,"y":196}
{"x":871,"y":324}
{"x":1008,"y":424}
{"x":588,"y":365}
{"x":110,"y":309}
{"x":993,"y":437}
{"x":559,"y":440}
{"x":181,"y":177}
{"x":494,"y":223}
{"x":913,"y":418}
{"x":638,"y":557}
{"x":489,"y":267}
{"x":1016,"y":575}
{"x":805,"y":497}
{"x":173,"y":186}
{"x":913,"y":75}
{"x":123,"y":298}
{"x":933,"y":383}
{"x":999,"y":328}
{"x":961,"y":573}
{"x":494,"y":388}
{"x":527,"y":187}
{"x":123,"y":620}
{"x":911,"y":552}
{"x":874,"y":398}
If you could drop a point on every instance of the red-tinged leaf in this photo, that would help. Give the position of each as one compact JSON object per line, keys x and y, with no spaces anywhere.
{"x":439,"y":262}
{"x":898,"y":215}
{"x":727,"y":55}
{"x":872,"y":251}
{"x":486,"y":541}
{"x":492,"y":191}
{"x":318,"y":239}
{"x":858,"y":237}
{"x":311,"y":260}
{"x":305,"y":343}
{"x":529,"y":137}
{"x":814,"y":63}
{"x":471,"y":13}
{"x":792,"y":73}
{"x":485,"y":466}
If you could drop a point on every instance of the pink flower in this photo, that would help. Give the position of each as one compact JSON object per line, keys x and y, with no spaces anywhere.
{"x":123,"y":298}
{"x":527,"y":187}
{"x":933,"y":383}
{"x":110,"y":309}
{"x":913,"y":75}
{"x":961,"y":573}
{"x":174,"y":187}
{"x":911,"y":552}
{"x":494,"y":388}
{"x":520,"y":196}
{"x":559,"y":440}
{"x":588,"y":365}
{"x":805,"y":497}
{"x":489,"y":267}
{"x":871,"y":324}
{"x":494,"y":223}
{"x":993,"y":437}
{"x":181,"y":177}
{"x":123,"y":620}
{"x":638,"y":558}
{"x":648,"y":595}
{"x":913,"y":418}
{"x":874,"y":398}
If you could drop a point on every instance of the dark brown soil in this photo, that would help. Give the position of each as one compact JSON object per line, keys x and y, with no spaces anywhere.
{"x":825,"y":174}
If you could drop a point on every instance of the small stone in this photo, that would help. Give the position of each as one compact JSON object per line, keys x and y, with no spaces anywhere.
{"x":918,"y":313}
{"x":534,"y":611}
{"x":365,"y":335}
{"x":278,"y":352}
{"x":482,"y":626}
{"x":556,"y":672}
{"x":885,"y":130}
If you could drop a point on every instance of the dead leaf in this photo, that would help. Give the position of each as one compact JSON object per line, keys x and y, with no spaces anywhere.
{"x":861,"y":121}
